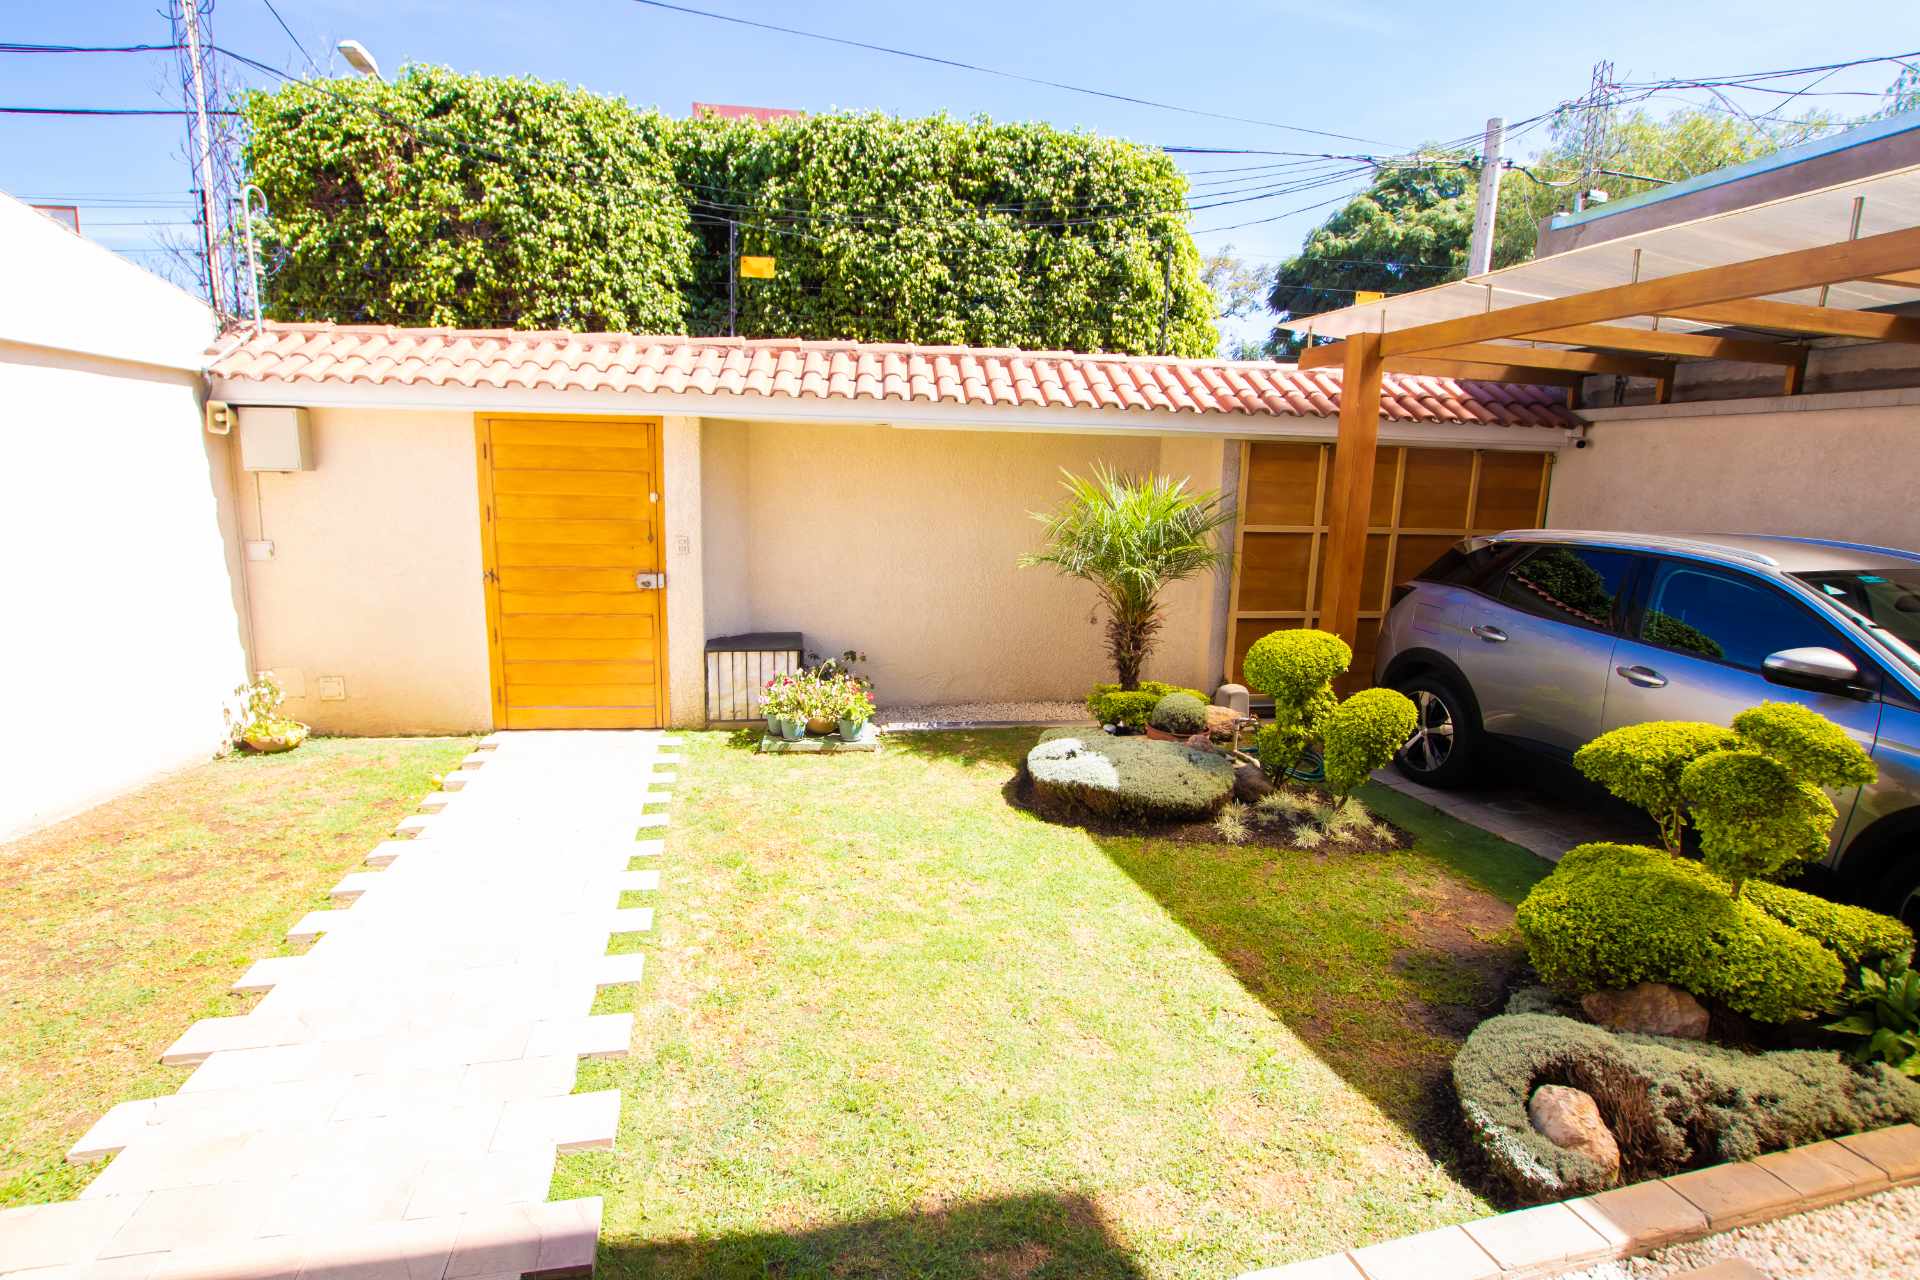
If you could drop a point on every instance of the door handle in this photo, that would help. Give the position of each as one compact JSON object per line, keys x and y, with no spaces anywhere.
{"x":649,"y":581}
{"x":1492,"y":635}
{"x":1645,"y":677}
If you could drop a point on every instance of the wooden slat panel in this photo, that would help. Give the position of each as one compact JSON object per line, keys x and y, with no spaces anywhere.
{"x":625,"y":435}
{"x":1416,"y":551}
{"x":634,"y":483}
{"x":1373,"y":575}
{"x":637,"y":556}
{"x":528,"y":626}
{"x":551,"y":457}
{"x":609,"y":581}
{"x":1273,"y":571}
{"x":574,"y":531}
{"x":561,"y":649}
{"x":582,"y":718}
{"x":1386,"y":462}
{"x":1436,"y":493}
{"x":1509,"y":495}
{"x":512,"y":602}
{"x":530,"y":675}
{"x":1281,"y":479}
{"x":571,"y":506}
{"x":579,"y":695}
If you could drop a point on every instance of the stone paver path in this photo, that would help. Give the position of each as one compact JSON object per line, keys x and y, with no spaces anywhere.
{"x":393,"y":1105}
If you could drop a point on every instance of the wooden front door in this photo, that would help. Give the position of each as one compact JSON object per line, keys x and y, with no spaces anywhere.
{"x":570,"y":532}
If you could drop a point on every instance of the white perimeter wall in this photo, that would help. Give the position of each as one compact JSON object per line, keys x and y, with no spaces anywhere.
{"x":119,"y":637}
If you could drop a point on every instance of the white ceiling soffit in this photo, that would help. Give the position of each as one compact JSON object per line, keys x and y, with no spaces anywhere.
{"x":1892,"y":203}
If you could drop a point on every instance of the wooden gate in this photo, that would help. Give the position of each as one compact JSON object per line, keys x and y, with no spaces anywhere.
{"x":570,"y":532}
{"x":1424,"y":500}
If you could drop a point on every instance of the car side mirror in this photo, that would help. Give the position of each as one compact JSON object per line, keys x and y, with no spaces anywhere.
{"x":1814,"y":667}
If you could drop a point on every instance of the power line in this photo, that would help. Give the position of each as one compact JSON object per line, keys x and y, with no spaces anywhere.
{"x":103,"y":111}
{"x":15,"y":47}
{"x":995,"y":71}
{"x":296,"y":39}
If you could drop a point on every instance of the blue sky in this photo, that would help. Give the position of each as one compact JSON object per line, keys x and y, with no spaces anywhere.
{"x":1387,"y":72}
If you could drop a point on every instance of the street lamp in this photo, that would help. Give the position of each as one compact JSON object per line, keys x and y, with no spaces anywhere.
{"x":358,"y":58}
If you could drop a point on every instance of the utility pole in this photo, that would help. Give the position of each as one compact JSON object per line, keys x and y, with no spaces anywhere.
{"x":1595,"y":133}
{"x":203,"y":147}
{"x":1166,"y":297}
{"x":1487,"y":207}
{"x":733,"y":274}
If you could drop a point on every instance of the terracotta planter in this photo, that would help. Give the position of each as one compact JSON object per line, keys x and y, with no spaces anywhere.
{"x":267,"y":744}
{"x":1161,"y":735}
{"x":821,"y":726}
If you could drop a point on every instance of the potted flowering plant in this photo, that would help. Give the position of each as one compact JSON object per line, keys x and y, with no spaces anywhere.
{"x":783,"y":701}
{"x":259,"y":725}
{"x":820,"y":699}
{"x":855,"y":707}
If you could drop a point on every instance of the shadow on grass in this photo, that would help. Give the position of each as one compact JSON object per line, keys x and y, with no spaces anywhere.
{"x":1031,"y":1237}
{"x":1006,"y":747}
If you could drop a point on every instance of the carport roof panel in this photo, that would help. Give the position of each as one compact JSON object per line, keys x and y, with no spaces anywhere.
{"x":1890,"y":202}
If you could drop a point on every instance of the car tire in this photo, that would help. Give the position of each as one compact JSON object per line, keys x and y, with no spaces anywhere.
{"x":1899,"y":892}
{"x":1445,"y":748}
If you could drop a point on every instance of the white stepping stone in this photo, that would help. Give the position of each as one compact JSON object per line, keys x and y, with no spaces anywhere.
{"x":600,"y":1035}
{"x":639,"y":881}
{"x":415,"y":824}
{"x":248,"y":1031}
{"x":616,"y":971}
{"x":267,"y":973}
{"x":387,"y":851}
{"x":652,"y":820}
{"x":631,"y":920}
{"x":568,"y":1122}
{"x":648,"y":848}
{"x":315,"y":923}
{"x":355,"y":883}
{"x":111,"y":1132}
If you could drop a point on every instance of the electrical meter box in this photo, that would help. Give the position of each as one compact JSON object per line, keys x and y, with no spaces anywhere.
{"x":275,"y":439}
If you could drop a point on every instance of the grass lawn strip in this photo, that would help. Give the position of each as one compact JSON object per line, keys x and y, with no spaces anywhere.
{"x":128,"y":923}
{"x":893,"y":1025}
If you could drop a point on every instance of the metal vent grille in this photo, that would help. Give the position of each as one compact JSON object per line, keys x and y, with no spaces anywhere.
{"x":738,"y":668}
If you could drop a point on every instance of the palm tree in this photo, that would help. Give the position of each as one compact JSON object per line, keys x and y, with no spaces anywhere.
{"x":1130,"y":537}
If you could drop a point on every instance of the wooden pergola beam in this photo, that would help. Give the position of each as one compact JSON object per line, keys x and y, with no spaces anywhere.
{"x":1350,"y":493}
{"x":1792,"y":317}
{"x":1517,"y":364}
{"x":1619,"y":338}
{"x":1889,"y":254}
{"x":1905,"y":279}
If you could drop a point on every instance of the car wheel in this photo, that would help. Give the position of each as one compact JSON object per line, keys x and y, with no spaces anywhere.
{"x":1899,"y":893}
{"x":1445,"y":747}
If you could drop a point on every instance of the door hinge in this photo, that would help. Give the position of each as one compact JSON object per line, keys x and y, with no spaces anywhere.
{"x":489,"y":577}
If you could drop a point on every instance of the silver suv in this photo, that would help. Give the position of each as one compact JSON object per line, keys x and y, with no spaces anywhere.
{"x":1546,"y":638}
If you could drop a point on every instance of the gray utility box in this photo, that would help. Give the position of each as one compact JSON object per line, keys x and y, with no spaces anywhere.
{"x":275,"y":439}
{"x":738,"y":668}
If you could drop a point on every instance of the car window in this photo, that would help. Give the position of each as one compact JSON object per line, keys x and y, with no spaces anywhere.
{"x":1726,"y":616}
{"x":1579,"y":585}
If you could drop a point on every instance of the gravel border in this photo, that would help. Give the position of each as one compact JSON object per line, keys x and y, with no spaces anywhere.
{"x":1872,"y":1238}
{"x":983,"y":715}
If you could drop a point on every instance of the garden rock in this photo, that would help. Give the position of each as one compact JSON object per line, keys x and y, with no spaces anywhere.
{"x":1570,"y":1120}
{"x":1220,"y":721}
{"x":1133,"y":778}
{"x":1651,"y":1008}
{"x":1251,"y":784}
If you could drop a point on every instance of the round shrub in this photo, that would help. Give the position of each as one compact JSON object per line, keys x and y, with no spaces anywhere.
{"x":1131,"y":708}
{"x":1858,"y":936}
{"x":1755,"y":818}
{"x":1614,"y":915}
{"x":1180,"y":713}
{"x":1133,"y":779}
{"x":1642,"y":763}
{"x":1808,"y":745}
{"x":1296,"y":669}
{"x":1671,"y":1104}
{"x":1362,"y":733}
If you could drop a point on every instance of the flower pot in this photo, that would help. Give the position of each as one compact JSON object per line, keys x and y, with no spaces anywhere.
{"x":792,"y":730}
{"x":1161,"y":735}
{"x":850,"y":730}
{"x":267,"y":744}
{"x":820,"y":725}
{"x":773,"y":724}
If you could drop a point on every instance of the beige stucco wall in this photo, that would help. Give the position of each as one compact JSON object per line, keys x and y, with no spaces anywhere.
{"x":904,"y":544}
{"x":686,"y":585}
{"x":1844,"y":472}
{"x":375,"y":574}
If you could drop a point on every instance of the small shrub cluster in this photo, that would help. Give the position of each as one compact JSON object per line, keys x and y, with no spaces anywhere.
{"x":1131,"y":708}
{"x":1296,"y":668}
{"x":1179,"y":713}
{"x":1134,"y":779}
{"x":1614,"y":915}
{"x":1307,"y":823}
{"x":1361,"y":735}
{"x":1858,"y":936}
{"x":1671,"y":1104}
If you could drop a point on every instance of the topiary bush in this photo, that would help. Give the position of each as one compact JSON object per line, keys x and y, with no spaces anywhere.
{"x":1362,"y":734}
{"x":1131,"y":708}
{"x":1181,"y":713}
{"x":1132,"y":779}
{"x":1755,"y":817}
{"x":1858,"y":936}
{"x":1642,"y":764}
{"x":1614,"y":915}
{"x":1671,"y":1104}
{"x":1808,"y":745}
{"x":1296,"y":668}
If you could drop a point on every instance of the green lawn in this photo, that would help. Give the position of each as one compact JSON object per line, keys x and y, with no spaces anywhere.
{"x":893,"y":1026}
{"x":126,"y":924}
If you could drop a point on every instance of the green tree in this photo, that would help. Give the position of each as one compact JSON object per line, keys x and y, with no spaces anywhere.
{"x":1131,"y":537}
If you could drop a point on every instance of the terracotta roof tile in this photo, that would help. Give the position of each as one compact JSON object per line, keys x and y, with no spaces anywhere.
{"x":803,"y":370}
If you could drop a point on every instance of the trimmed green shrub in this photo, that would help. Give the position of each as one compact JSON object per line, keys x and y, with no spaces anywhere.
{"x":1361,"y":735}
{"x":1755,"y":817}
{"x":1671,"y":1104}
{"x":1613,"y":915}
{"x":1808,"y":745}
{"x":1133,"y":779}
{"x":1858,"y":936}
{"x":1180,"y":713}
{"x":1296,"y":668}
{"x":1131,"y":708}
{"x":1642,"y":763}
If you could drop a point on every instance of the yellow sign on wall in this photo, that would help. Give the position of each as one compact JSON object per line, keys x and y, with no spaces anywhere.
{"x":1366,"y":295}
{"x":752,"y":268}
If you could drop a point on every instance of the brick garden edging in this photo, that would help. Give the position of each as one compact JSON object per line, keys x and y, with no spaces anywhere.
{"x":1551,"y":1238}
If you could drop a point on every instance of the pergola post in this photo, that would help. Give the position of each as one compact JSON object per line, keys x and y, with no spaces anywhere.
{"x":1351,"y":492}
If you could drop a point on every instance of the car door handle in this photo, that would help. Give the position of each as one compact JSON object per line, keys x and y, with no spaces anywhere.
{"x":1492,"y":635}
{"x":1645,"y":677}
